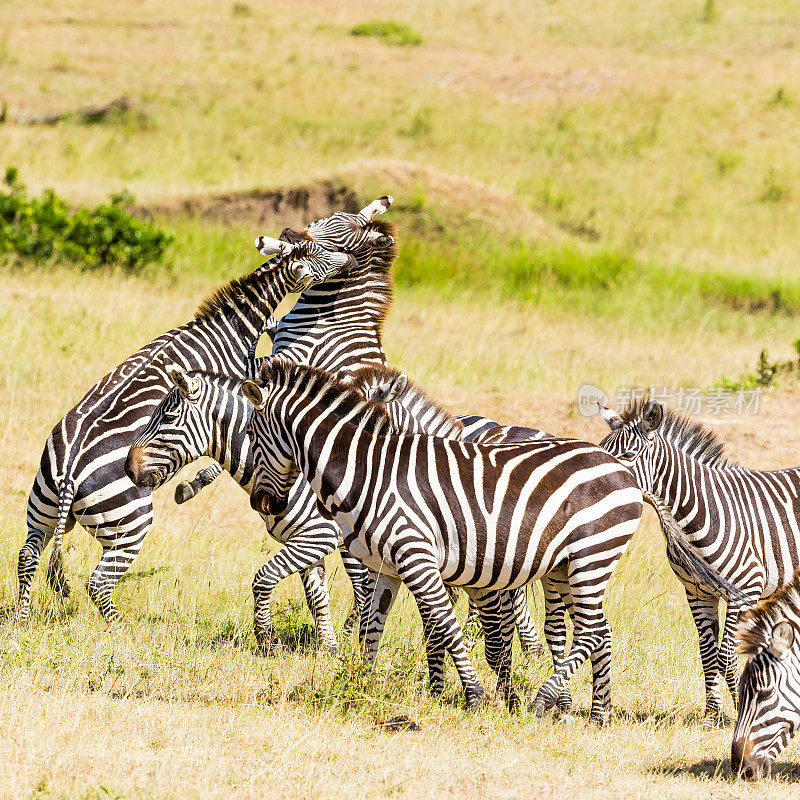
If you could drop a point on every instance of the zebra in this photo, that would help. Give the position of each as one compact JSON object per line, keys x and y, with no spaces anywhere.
{"x":431,"y":510}
{"x":338,"y":327}
{"x":744,"y":522}
{"x":81,"y":477}
{"x":769,"y":689}
{"x":206,"y":414}
{"x":411,"y":410}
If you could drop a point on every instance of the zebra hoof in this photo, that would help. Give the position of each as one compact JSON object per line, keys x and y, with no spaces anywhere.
{"x":513,"y":702}
{"x":564,"y":704}
{"x":351,"y":621}
{"x":538,"y":708}
{"x":601,"y":719}
{"x":711,"y":720}
{"x":474,"y":698}
{"x":184,"y":491}
{"x":532,"y":650}
{"x":267,"y":642}
{"x":567,"y":720}
{"x":329,"y":649}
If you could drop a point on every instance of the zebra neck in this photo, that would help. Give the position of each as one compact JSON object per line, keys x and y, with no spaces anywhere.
{"x":345,"y":315}
{"x":680,"y":483}
{"x":230,"y":445}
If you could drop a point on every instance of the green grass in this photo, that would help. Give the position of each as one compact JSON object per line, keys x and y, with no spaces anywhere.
{"x":394,"y":33}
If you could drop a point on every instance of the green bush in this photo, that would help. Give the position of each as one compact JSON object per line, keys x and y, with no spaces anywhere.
{"x":395,"y":33}
{"x":46,"y":229}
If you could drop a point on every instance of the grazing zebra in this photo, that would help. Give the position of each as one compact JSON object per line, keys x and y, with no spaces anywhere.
{"x":743,"y":522}
{"x":431,"y":510}
{"x":82,"y":478}
{"x":769,"y":689}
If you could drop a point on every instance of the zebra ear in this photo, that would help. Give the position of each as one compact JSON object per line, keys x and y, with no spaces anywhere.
{"x":782,"y":638}
{"x":651,"y":416}
{"x":268,"y":246}
{"x":389,"y":390}
{"x":185,"y":383}
{"x":252,"y":391}
{"x":610,"y":417}
{"x":377,"y":207}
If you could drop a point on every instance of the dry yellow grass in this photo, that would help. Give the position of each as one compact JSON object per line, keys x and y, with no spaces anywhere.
{"x":175,"y":703}
{"x":657,"y":128}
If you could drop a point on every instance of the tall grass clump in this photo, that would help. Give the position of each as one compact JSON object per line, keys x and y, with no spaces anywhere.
{"x":46,"y":230}
{"x":394,"y":33}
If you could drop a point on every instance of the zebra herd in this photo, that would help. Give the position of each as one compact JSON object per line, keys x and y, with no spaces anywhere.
{"x":337,"y":450}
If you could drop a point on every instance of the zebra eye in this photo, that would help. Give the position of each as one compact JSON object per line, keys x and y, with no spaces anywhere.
{"x":171,"y":415}
{"x":764,"y":694}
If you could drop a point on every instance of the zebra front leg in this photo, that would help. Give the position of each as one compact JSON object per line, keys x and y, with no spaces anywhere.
{"x":556,"y":590}
{"x":357,"y":573}
{"x":382,"y":591}
{"x":424,"y":581}
{"x":301,"y":551}
{"x":498,"y":616}
{"x":318,"y":599}
{"x":186,"y":490}
{"x":727,"y":652}
{"x":705,"y":612}
{"x":526,"y":628}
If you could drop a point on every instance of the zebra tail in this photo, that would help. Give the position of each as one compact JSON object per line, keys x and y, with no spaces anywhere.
{"x":684,"y":555}
{"x":65,"y":497}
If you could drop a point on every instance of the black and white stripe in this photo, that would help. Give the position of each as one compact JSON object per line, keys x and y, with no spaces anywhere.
{"x":427,"y":510}
{"x":81,"y":477}
{"x":742,"y":522}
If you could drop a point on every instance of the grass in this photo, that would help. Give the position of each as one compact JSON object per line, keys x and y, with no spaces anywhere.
{"x":394,"y":33}
{"x":601,"y":194}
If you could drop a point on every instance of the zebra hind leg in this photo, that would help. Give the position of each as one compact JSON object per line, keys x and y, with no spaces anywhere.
{"x":27,"y":563}
{"x":601,"y":680}
{"x":357,"y":573}
{"x":497,"y":612}
{"x":706,"y":618}
{"x":555,"y":630}
{"x":318,"y":599}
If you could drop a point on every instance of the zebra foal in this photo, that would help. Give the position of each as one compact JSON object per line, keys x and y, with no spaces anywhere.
{"x":430,"y":510}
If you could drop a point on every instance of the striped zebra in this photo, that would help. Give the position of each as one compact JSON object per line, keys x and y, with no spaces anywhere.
{"x":769,"y":689}
{"x":206,"y":414}
{"x":81,"y":477}
{"x":431,"y":510}
{"x":411,"y":410}
{"x":743,"y":522}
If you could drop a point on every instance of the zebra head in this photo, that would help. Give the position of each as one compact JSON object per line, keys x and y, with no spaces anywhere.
{"x":345,"y":232}
{"x":632,"y":437}
{"x":769,"y":689}
{"x":310,"y":263}
{"x":201,"y":415}
{"x":274,"y":467}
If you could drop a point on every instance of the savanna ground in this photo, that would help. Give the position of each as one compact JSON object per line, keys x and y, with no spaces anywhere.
{"x":601,"y":192}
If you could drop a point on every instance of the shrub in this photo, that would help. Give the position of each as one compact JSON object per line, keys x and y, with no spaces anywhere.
{"x":395,"y":33}
{"x":46,"y":229}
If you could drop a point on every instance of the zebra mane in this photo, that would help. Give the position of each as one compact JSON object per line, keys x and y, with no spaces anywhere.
{"x":373,"y":374}
{"x":227,"y":297}
{"x":381,"y":260}
{"x":282,"y":372}
{"x":755,"y":625}
{"x":687,"y":434}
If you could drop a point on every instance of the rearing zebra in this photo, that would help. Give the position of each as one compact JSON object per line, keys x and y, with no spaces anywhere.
{"x":82,"y":477}
{"x":743,"y":522}
{"x":433,"y":510}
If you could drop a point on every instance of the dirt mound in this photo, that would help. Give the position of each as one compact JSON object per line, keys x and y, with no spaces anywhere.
{"x":354,"y":184}
{"x":293,"y":206}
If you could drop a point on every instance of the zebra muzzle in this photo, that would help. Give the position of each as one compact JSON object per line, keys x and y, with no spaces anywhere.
{"x":266,"y":503}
